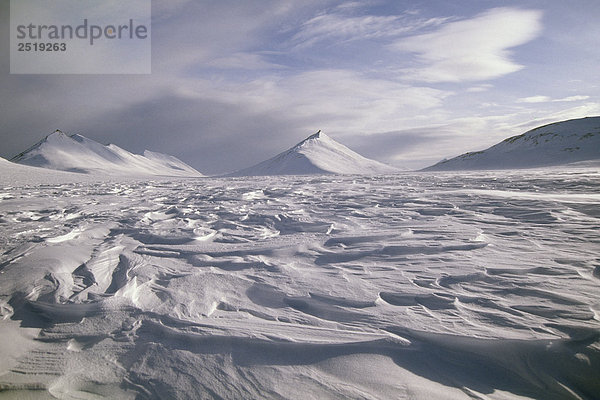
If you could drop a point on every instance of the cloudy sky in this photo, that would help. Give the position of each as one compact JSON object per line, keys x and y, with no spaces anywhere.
{"x":404,"y":82}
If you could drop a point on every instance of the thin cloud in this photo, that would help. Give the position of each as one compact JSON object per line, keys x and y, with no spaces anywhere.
{"x":340,"y":27}
{"x":248,"y":61}
{"x":343,"y":100}
{"x":474,"y":49}
{"x":546,"y":99}
{"x":418,"y":147}
{"x":585,"y":110}
{"x":534,"y":99}
{"x":573,"y":98}
{"x":480,"y":88}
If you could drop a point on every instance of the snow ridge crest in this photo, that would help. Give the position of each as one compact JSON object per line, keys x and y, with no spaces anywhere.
{"x":77,"y":153}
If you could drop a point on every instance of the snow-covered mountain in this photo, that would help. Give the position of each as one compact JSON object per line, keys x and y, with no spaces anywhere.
{"x":317,"y":154}
{"x":76,"y":153}
{"x":559,"y":143}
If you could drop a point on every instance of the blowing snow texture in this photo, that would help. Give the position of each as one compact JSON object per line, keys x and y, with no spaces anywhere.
{"x":408,"y":286}
{"x":555,"y":144}
{"x":77,"y":153}
{"x":317,"y":154}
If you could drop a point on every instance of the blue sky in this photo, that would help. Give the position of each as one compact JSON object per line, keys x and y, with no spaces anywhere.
{"x":405,"y":82}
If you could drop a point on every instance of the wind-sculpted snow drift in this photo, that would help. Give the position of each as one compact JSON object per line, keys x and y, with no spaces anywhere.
{"x":76,"y":153}
{"x":560,"y":143}
{"x":409,"y":286}
{"x":317,"y":154}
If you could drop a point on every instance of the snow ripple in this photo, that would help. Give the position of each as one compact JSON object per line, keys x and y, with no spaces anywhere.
{"x":405,"y":286}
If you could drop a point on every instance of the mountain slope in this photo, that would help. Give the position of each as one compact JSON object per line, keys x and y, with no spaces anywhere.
{"x":317,"y":154}
{"x":77,"y":153}
{"x":559,"y":143}
{"x":18,"y":175}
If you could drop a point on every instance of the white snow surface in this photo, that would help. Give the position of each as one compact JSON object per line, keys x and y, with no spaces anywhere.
{"x":18,"y":174}
{"x":560,"y":143}
{"x":317,"y":154}
{"x":409,"y":286}
{"x":76,"y":153}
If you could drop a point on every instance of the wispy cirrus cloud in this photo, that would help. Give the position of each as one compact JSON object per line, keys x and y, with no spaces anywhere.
{"x":338,"y":26}
{"x":339,"y":101}
{"x":473,"y":49}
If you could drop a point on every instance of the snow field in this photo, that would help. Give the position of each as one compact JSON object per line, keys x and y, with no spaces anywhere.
{"x":404,"y":286}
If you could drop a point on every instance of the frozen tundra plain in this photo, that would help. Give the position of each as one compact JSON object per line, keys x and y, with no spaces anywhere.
{"x":477,"y":285}
{"x":397,"y":285}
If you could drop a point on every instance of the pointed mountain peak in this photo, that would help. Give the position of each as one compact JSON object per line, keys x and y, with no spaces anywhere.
{"x":57,"y":132}
{"x":317,"y":135}
{"x":317,"y":154}
{"x":56,"y":135}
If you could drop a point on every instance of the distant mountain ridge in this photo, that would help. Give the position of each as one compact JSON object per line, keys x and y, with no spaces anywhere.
{"x":76,"y":153}
{"x":317,"y":154}
{"x":559,"y":143}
